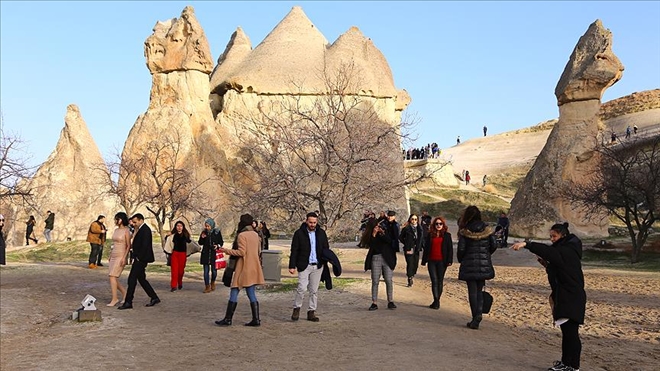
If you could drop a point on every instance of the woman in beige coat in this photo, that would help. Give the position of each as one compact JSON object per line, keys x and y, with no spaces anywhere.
{"x":248,"y":273}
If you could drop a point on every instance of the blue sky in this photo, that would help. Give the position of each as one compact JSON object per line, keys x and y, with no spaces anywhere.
{"x":465,"y":64}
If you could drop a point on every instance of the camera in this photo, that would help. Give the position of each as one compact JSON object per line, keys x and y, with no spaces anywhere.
{"x":382,"y":225}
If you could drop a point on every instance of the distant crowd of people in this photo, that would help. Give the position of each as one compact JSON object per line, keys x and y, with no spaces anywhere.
{"x":431,"y":150}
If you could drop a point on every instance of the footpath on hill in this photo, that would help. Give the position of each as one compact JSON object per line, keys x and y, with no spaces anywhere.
{"x":37,"y":299}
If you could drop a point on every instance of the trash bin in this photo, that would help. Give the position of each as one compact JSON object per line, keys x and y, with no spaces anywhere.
{"x":272,"y":265}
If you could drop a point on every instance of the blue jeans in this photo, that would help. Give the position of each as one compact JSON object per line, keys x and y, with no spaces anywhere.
{"x":251,"y":293}
{"x":214,"y":274}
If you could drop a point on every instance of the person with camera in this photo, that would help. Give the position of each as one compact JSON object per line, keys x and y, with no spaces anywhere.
{"x":563,"y":262}
{"x":381,"y":260}
{"x":211,"y":240}
{"x":476,"y":243}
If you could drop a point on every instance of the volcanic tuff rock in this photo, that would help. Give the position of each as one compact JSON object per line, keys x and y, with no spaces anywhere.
{"x":72,"y":183}
{"x":633,"y":103}
{"x":180,"y":62}
{"x":178,"y":45}
{"x":295,"y":58}
{"x":296,"y":63}
{"x":568,"y":154}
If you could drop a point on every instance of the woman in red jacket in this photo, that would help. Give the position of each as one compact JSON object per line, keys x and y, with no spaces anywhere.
{"x":439,"y":254}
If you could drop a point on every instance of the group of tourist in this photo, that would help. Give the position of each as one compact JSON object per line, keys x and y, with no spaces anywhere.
{"x":421,"y":236}
{"x":49,"y":225}
{"x":477,"y":241}
{"x":431,"y":150}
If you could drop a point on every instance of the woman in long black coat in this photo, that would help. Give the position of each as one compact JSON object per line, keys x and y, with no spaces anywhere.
{"x":475,"y":245}
{"x":412,"y":238}
{"x":211,"y":240}
{"x":564,"y":268}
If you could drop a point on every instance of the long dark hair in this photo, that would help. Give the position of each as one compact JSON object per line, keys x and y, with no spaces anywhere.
{"x":123,"y":217}
{"x":471,"y":214}
{"x":184,"y":232}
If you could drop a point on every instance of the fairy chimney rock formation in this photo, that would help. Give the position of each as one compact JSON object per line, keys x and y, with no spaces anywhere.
{"x":72,"y":182}
{"x":568,"y":154}
{"x":296,"y":63}
{"x":179,"y":59}
{"x":293,"y":59}
{"x":178,"y":45}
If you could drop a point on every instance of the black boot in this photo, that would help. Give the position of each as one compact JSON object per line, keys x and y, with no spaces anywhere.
{"x":410,"y":281}
{"x":231,"y":307}
{"x":256,"y":322}
{"x":474,"y":324}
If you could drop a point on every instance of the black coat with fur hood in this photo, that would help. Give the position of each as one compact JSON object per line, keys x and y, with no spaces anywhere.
{"x":475,"y":245}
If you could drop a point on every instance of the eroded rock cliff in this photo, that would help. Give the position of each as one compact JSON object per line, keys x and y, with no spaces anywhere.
{"x":567,"y":155}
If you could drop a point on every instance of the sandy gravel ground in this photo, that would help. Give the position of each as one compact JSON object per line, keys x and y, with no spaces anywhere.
{"x":622,"y":330}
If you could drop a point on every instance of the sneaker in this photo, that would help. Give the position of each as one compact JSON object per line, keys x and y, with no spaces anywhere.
{"x":92,"y":266}
{"x":391,"y":305}
{"x":559,"y":366}
{"x":373,"y":307}
{"x":99,"y":265}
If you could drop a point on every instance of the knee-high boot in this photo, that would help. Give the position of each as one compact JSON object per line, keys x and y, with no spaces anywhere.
{"x":231,"y":308}
{"x":255,"y":315}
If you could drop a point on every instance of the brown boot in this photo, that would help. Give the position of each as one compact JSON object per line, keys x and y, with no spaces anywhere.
{"x":212,"y":285}
{"x":311,"y":316}
{"x":296,"y":314}
{"x":207,"y":288}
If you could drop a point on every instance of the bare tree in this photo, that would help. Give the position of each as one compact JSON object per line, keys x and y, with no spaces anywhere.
{"x":14,"y":169}
{"x":162,"y":181}
{"x":329,"y":152}
{"x":116,"y":176}
{"x":627,"y":185}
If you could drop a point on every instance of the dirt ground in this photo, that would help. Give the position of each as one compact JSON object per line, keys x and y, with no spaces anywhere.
{"x":622,"y":330}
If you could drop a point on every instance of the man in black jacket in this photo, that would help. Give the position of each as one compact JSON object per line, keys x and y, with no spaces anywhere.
{"x":143,"y":254}
{"x":306,"y":253}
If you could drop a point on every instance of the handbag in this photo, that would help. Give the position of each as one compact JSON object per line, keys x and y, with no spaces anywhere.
{"x":220,"y":262}
{"x":169,"y":259}
{"x":488,"y":302}
{"x":228,"y":274}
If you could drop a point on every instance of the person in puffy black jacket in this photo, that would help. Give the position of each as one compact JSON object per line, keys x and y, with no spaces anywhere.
{"x":475,"y":245}
{"x":564,"y":268}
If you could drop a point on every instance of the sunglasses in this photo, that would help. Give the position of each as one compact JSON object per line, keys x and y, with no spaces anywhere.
{"x":439,"y":224}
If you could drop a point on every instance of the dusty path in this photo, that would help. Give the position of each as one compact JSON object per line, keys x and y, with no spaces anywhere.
{"x":623,"y":330}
